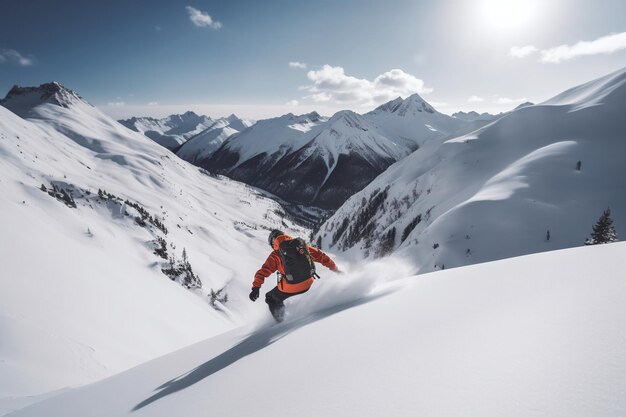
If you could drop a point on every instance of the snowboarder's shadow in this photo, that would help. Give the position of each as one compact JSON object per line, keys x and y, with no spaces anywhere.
{"x":249,"y":345}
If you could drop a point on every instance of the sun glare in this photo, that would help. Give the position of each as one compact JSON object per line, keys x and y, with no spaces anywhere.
{"x":506,"y":16}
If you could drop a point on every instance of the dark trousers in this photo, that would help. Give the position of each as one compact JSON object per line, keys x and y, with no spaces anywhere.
{"x":275,"y":300}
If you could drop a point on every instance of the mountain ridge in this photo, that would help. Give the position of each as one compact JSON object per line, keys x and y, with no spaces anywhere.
{"x":316,"y":156}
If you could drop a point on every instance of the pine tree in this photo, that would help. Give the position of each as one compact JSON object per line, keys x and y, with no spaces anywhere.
{"x":603,"y":230}
{"x":190,"y":279}
{"x":220,"y":297}
{"x":387,"y":242}
{"x":161,"y":249}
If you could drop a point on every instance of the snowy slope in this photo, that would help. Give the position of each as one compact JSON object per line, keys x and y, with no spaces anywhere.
{"x":496,"y":192}
{"x":315,"y":161}
{"x":82,"y":295}
{"x":171,"y":131}
{"x":539,"y":335}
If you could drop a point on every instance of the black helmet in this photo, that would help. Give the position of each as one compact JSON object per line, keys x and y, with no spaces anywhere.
{"x":273,"y":235}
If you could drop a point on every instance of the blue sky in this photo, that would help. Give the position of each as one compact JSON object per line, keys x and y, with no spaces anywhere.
{"x":139,"y":57}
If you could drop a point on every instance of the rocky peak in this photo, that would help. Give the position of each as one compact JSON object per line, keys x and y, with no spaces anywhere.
{"x":51,"y":92}
{"x":411,"y":105}
{"x":390,"y":106}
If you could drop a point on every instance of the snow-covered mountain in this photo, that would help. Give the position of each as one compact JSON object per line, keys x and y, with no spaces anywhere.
{"x":24,"y":100}
{"x":414,"y":121}
{"x":308,"y":159}
{"x":92,"y":214}
{"x":534,"y":180}
{"x":316,"y":161}
{"x":173,"y":130}
{"x":539,"y":335}
{"x":201,"y":146}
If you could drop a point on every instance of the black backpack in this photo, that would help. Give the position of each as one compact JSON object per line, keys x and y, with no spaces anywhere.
{"x":297,"y":261}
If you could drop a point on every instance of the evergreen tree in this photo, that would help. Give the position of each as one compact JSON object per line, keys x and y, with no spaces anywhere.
{"x":387,"y":242}
{"x":220,"y":297}
{"x":161,"y":249}
{"x":190,"y":279}
{"x":603,"y":230}
{"x":409,"y":228}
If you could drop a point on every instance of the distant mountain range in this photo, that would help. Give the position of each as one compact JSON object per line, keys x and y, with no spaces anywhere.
{"x":318,"y":161}
{"x":474,"y":116}
{"x":174,"y":130}
{"x":308,"y":160}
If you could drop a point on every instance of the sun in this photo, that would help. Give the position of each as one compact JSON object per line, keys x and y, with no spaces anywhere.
{"x":507,"y":16}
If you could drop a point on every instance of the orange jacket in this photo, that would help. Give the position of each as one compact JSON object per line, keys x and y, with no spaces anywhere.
{"x":274,"y":263}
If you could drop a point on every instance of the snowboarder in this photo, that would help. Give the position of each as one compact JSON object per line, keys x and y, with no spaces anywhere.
{"x":294,"y":261}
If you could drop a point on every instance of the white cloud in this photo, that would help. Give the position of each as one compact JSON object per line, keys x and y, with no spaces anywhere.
{"x":438,"y":104}
{"x":603,"y":45}
{"x":522,"y":51}
{"x":292,"y":103}
{"x":506,"y":100}
{"x":331,"y":84}
{"x":202,"y":19}
{"x":116,"y":103}
{"x":153,"y":103}
{"x":475,"y":99}
{"x":14,"y":57}
{"x":296,"y":64}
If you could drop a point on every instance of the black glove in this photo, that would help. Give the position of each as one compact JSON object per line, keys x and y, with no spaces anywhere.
{"x":254,"y":294}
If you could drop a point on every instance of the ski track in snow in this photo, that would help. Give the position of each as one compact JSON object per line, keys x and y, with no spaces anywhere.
{"x":334,"y":295}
